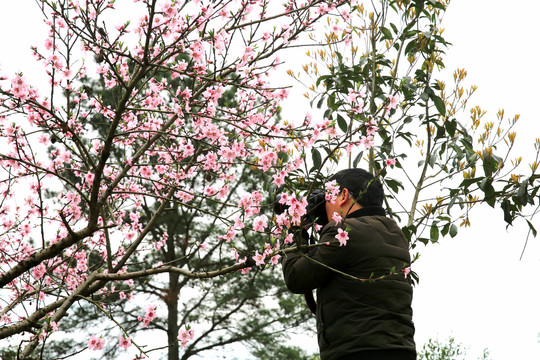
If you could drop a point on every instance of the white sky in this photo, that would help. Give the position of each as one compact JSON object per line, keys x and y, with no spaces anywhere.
{"x":472,"y":287}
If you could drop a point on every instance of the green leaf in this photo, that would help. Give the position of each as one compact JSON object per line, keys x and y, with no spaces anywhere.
{"x":321,"y":79}
{"x":487,"y":164}
{"x":490,"y":195}
{"x":453,"y":230}
{"x":451,"y":203}
{"x":506,"y":207}
{"x":328,"y":114}
{"x":440,"y":132}
{"x":342,"y":123}
{"x":316,"y":157}
{"x":410,"y":49}
{"x":357,"y":159}
{"x":468,"y":182}
{"x":437,"y":4}
{"x":386,"y":33}
{"x":439,"y":104}
{"x":320,"y":102}
{"x":434,"y":233}
{"x":419,"y":6}
{"x":451,"y":127}
{"x":522,"y":195}
{"x":405,"y":230}
{"x":393,"y":184}
{"x":445,"y":229}
{"x":533,"y":230}
{"x":331,"y":101}
{"x":432,"y":160}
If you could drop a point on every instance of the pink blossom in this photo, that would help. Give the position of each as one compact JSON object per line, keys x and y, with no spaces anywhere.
{"x":345,"y":14}
{"x":367,"y":141}
{"x":260,"y":223}
{"x":89,"y":178}
{"x":406,"y":271}
{"x":210,"y":191}
{"x":185,"y":335}
{"x":332,"y":191}
{"x":335,"y":29}
{"x":149,"y":316}
{"x":351,"y":97}
{"x":238,"y":224}
{"x":124,"y":342}
{"x":342,"y":236}
{"x":150,"y":312}
{"x":279,"y":178}
{"x":336,"y":218}
{"x":390,"y":162}
{"x":259,"y":258}
{"x":289,"y":239}
{"x":394,"y":100}
{"x":39,"y":270}
{"x":95,"y":343}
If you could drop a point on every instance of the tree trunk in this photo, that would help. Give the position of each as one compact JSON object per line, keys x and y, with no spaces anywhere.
{"x":172,"y":316}
{"x":172,"y":301}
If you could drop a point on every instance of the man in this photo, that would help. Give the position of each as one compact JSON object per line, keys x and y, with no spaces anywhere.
{"x":358,"y":319}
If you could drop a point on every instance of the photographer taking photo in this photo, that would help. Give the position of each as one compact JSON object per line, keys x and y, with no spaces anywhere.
{"x":363,"y":293}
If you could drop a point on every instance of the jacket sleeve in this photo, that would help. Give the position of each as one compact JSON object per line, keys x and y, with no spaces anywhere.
{"x":303,"y":273}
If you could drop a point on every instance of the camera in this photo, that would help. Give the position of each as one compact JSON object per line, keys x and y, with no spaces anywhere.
{"x":315,"y":209}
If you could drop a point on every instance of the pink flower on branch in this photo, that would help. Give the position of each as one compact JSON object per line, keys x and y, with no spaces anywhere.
{"x":259,"y":258}
{"x":332,"y":191}
{"x":124,"y":342}
{"x":260,"y":223}
{"x":185,"y":335}
{"x":390,"y":162}
{"x":336,"y":218}
{"x":95,"y":343}
{"x":406,"y":271}
{"x":342,"y":236}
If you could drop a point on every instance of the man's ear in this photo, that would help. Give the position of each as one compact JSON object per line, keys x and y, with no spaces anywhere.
{"x":344,"y":196}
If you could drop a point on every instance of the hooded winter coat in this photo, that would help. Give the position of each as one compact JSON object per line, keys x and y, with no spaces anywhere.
{"x":356,"y":317}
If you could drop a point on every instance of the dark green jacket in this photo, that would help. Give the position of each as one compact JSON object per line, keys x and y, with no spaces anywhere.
{"x":352,"y":315}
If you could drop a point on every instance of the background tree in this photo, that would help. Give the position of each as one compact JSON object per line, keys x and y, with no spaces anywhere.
{"x":447,"y":350}
{"x":82,"y":244}
{"x":176,"y":230}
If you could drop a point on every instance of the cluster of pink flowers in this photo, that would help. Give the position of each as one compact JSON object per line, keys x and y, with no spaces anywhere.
{"x":251,"y":203}
{"x":168,"y":136}
{"x":185,"y":336}
{"x":332,"y":191}
{"x":268,"y":252}
{"x":95,"y":343}
{"x":296,"y":207}
{"x":148,"y":316}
